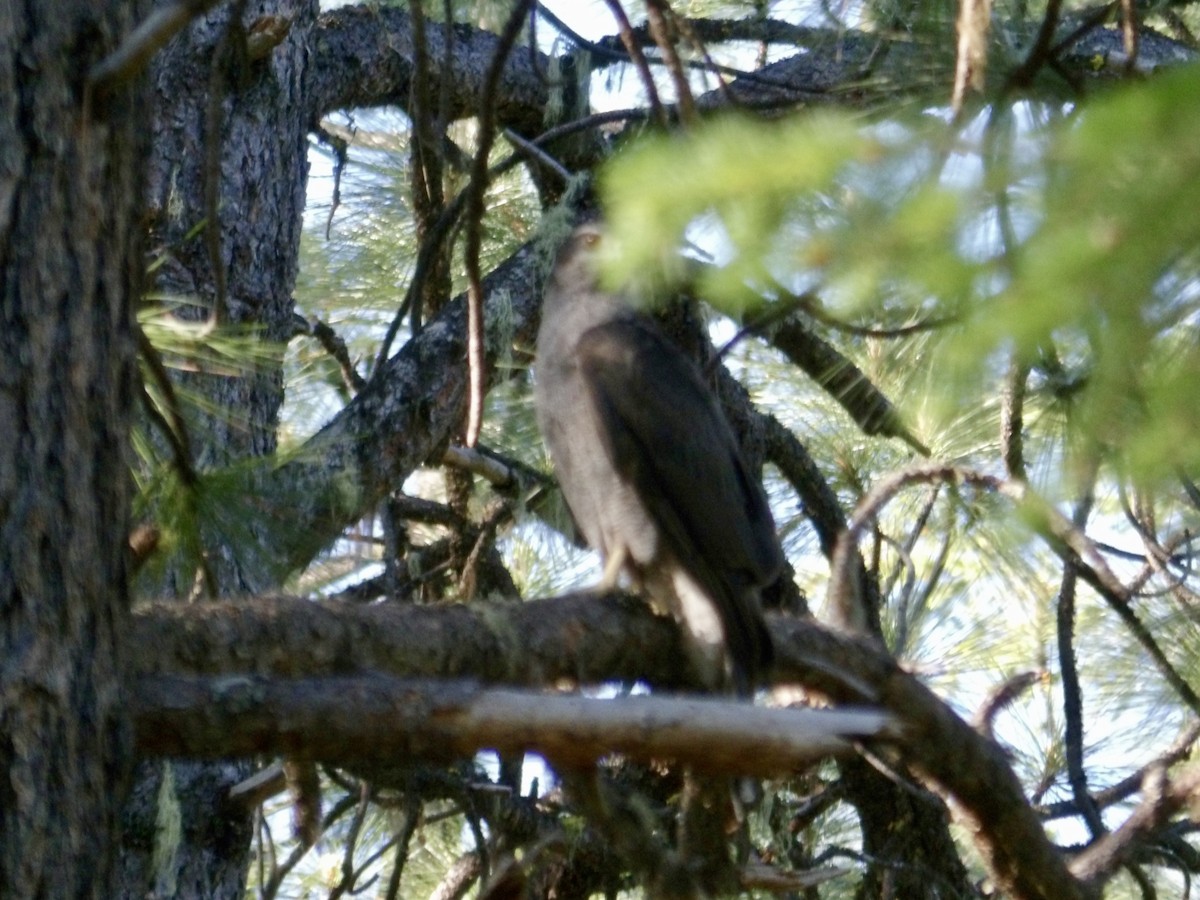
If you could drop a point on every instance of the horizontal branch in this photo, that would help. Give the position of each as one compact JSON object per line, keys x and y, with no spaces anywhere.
{"x":374,"y":718}
{"x":365,"y":57}
{"x":579,"y":638}
{"x":584,"y":638}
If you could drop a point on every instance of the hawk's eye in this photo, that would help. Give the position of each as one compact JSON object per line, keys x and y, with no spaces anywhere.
{"x":590,"y":239}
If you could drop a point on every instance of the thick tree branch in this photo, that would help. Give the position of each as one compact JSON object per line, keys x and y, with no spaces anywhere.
{"x":375,"y":718}
{"x":579,"y":637}
{"x":585,"y":638}
{"x":940,"y":747}
{"x":366,"y":57}
{"x":404,"y":417}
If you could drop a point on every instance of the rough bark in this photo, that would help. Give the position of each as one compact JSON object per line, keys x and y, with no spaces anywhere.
{"x":365,"y":57}
{"x":69,"y":270}
{"x":570,"y":638}
{"x":906,"y":838}
{"x":402,"y":419}
{"x":249,"y":116}
{"x":182,"y":836}
{"x":230,"y":126}
{"x":377,"y":719}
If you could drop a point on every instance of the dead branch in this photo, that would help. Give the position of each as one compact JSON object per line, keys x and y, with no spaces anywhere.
{"x":375,"y":718}
{"x":585,"y":638}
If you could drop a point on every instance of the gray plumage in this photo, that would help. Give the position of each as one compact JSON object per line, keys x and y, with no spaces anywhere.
{"x":651,"y":470}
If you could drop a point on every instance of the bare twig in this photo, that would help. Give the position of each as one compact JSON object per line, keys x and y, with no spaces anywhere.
{"x":280,"y":870}
{"x":341,"y":157}
{"x":1042,"y":50}
{"x":474,"y":227}
{"x":1002,"y":696}
{"x":403,"y":838}
{"x":347,"y":881}
{"x":905,"y":549}
{"x":844,"y":601}
{"x":333,"y":344}
{"x":634,"y":49}
{"x":1158,"y":557}
{"x":1063,"y":537}
{"x":710,"y":65}
{"x":536,"y":153}
{"x":1072,"y":689}
{"x":657,"y":13}
{"x":1161,"y":799}
{"x":1180,"y":749}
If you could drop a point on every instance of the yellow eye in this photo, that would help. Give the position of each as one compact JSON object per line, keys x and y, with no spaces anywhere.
{"x":590,"y":239}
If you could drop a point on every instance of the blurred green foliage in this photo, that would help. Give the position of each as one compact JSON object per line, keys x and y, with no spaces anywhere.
{"x":1074,"y":251}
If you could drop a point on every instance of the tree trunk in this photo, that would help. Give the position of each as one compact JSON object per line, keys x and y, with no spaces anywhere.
{"x":906,"y":839}
{"x":230,"y":128}
{"x":70,"y":265}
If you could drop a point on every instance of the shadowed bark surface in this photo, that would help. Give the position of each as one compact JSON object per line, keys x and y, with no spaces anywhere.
{"x":70,"y":265}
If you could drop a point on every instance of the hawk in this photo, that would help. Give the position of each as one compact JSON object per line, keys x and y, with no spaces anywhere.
{"x":651,"y":469}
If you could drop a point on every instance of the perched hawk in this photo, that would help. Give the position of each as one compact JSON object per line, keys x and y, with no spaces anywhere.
{"x":652,"y":471}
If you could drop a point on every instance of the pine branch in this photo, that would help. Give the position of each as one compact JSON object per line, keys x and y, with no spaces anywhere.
{"x":376,"y":718}
{"x":586,"y":639}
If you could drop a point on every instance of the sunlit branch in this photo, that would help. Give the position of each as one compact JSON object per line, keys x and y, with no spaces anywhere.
{"x":374,"y":718}
{"x":657,"y":12}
